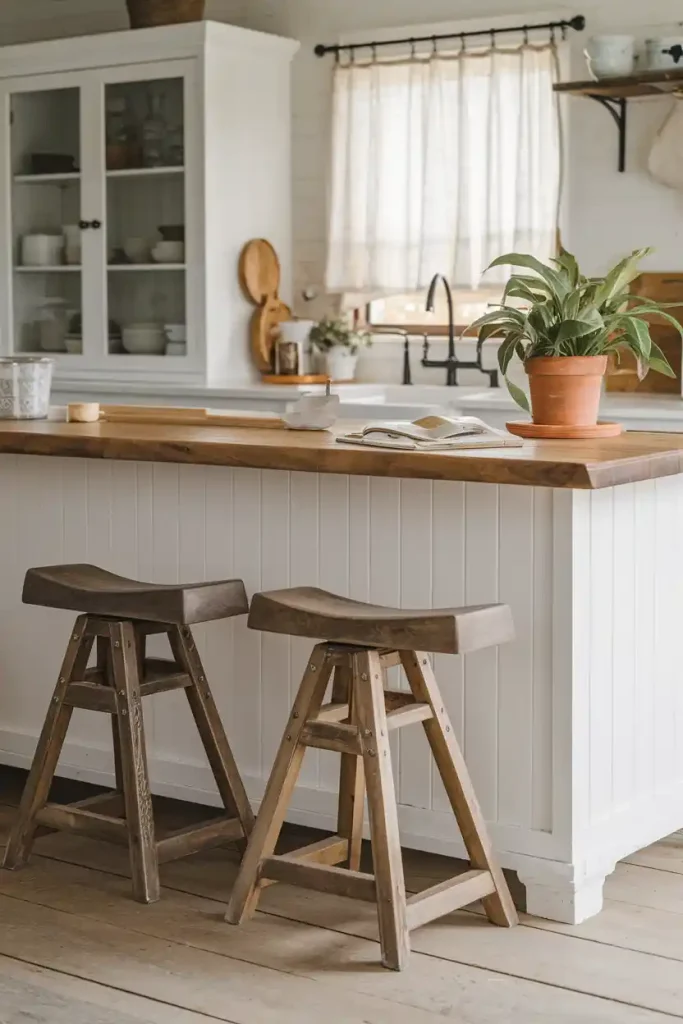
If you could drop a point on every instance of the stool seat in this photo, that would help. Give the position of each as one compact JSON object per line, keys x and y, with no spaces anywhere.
{"x":310,"y":612}
{"x":87,"y":588}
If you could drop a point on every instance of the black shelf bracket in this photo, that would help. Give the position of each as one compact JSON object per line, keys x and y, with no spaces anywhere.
{"x":617,"y":106}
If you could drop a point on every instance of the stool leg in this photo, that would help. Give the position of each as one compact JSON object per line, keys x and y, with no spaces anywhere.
{"x":104,"y":664}
{"x":210,"y":728}
{"x":278,"y":792}
{"x":386,"y":844}
{"x":451,"y":764}
{"x":351,"y":775}
{"x":136,"y":792}
{"x":48,"y":749}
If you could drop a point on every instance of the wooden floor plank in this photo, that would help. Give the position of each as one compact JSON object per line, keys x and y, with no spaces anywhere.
{"x":431,"y":983}
{"x":623,"y":964}
{"x":41,"y":996}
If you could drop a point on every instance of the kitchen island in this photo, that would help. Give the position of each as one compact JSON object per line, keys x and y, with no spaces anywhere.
{"x":573,"y":733}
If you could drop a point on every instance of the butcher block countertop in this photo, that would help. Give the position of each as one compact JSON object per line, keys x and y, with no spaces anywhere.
{"x":570,"y":464}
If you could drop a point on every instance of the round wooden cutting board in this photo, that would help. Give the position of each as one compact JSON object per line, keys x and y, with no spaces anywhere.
{"x":259,"y":270}
{"x":264,"y":325}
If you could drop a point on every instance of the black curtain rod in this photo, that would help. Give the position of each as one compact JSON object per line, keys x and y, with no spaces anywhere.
{"x":578,"y":23}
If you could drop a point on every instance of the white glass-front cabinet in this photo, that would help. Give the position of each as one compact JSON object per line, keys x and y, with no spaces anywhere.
{"x":128,"y":190}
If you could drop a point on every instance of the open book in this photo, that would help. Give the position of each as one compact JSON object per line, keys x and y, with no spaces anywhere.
{"x":433,"y":434}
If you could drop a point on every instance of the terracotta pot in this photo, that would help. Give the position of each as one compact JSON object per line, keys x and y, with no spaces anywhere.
{"x":565,"y":390}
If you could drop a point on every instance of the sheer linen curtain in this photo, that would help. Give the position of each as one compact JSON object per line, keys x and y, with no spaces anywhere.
{"x":439,"y":165}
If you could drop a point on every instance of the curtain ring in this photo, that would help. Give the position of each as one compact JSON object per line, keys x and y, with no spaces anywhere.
{"x":463,"y":44}
{"x":352,"y":55}
{"x":412,"y":49}
{"x":373,"y":51}
{"x":564,"y":31}
{"x":336,"y":56}
{"x":553,"y":39}
{"x":493,"y":38}
{"x":435,"y":50}
{"x":526,"y":35}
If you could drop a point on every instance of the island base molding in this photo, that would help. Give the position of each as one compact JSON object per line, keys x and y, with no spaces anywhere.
{"x":573,"y":734}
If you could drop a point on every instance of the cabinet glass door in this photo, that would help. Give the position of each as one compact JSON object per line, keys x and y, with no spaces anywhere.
{"x":45,"y":212}
{"x":145,"y":216}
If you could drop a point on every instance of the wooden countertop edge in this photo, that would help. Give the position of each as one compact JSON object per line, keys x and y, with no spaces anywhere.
{"x":572,"y":465}
{"x":339,"y":459}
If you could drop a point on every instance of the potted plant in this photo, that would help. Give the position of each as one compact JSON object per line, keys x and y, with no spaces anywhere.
{"x":563,"y":327}
{"x":338,"y":342}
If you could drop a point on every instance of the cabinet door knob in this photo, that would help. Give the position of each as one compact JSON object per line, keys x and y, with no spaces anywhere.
{"x":96,"y":224}
{"x":84,"y":224}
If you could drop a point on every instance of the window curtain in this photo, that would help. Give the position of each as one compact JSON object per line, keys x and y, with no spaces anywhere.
{"x":439,"y":165}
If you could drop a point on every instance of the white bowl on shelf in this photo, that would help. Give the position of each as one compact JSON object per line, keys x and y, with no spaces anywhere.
{"x":144,"y":339}
{"x":168,"y":252}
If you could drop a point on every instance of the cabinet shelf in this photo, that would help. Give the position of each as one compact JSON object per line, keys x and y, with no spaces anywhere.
{"x":146,"y":172}
{"x":118,"y":267}
{"x":61,"y":268}
{"x":47,"y":179}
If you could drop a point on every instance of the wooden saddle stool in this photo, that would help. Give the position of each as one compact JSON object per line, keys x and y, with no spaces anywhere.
{"x":362,"y":641}
{"x":120,"y":614}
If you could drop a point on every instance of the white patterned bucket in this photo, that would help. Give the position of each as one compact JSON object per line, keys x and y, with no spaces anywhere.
{"x":25,"y":387}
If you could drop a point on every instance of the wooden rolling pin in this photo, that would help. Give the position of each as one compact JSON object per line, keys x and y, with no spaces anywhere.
{"x":92,"y":412}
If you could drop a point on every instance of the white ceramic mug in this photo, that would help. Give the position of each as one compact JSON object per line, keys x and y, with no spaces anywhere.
{"x":656,"y":57}
{"x":42,"y":250}
{"x":137,"y":250}
{"x":611,"y":56}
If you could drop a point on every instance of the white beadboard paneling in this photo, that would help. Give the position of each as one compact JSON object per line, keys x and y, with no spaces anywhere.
{"x":247,"y":690}
{"x":543,"y":598}
{"x":515,"y":707}
{"x":481,"y":667}
{"x":449,"y":539}
{"x":275,"y":663}
{"x":414,"y":781}
{"x":601,"y":727}
{"x":304,"y":554}
{"x":573,"y":734}
{"x":333,"y":575}
{"x":624,"y":626}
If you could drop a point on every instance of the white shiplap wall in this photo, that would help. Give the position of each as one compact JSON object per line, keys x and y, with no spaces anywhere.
{"x":573,"y":734}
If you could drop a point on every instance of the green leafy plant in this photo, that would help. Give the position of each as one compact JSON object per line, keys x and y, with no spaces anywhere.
{"x":559,"y":312}
{"x":334,"y":332}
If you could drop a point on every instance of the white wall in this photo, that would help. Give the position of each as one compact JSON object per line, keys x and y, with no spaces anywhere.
{"x":606,"y":213}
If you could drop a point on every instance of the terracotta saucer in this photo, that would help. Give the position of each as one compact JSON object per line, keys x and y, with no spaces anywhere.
{"x":523,"y":428}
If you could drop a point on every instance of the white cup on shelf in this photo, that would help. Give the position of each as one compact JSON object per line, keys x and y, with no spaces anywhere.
{"x":611,"y":56}
{"x":137,"y":250}
{"x":42,"y":250}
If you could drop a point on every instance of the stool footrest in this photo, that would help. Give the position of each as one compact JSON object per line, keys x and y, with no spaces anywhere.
{"x":448,"y":896}
{"x":67,"y":818}
{"x":160,"y":675}
{"x":325,"y":878}
{"x":338,"y":736}
{"x":200,"y":836}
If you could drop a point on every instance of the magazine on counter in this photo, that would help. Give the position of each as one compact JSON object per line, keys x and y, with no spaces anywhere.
{"x":432,"y":434}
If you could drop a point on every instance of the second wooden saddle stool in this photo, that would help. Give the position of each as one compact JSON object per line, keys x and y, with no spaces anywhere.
{"x":121,"y":613}
{"x":362,"y":641}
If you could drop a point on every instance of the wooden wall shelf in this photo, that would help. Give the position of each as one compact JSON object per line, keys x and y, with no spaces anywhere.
{"x":614,"y":93}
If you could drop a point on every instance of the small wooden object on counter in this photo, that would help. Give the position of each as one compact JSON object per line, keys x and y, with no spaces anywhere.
{"x":83,"y":412}
{"x":91,"y":412}
{"x":120,"y":613}
{"x":363,"y":640}
{"x":525,"y":428}
{"x":663,"y":287}
{"x":307,"y":378}
{"x":259,"y":272}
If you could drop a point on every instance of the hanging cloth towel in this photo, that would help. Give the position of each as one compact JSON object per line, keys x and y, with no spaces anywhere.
{"x":665,"y":162}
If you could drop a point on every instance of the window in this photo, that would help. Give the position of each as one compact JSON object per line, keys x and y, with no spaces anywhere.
{"x":439,"y":164}
{"x":408,"y":310}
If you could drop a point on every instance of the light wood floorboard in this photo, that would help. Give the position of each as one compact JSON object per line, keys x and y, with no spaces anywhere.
{"x":317,"y":954}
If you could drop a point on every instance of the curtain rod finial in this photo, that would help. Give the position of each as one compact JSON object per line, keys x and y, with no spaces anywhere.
{"x":320,"y":50}
{"x":578,"y":22}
